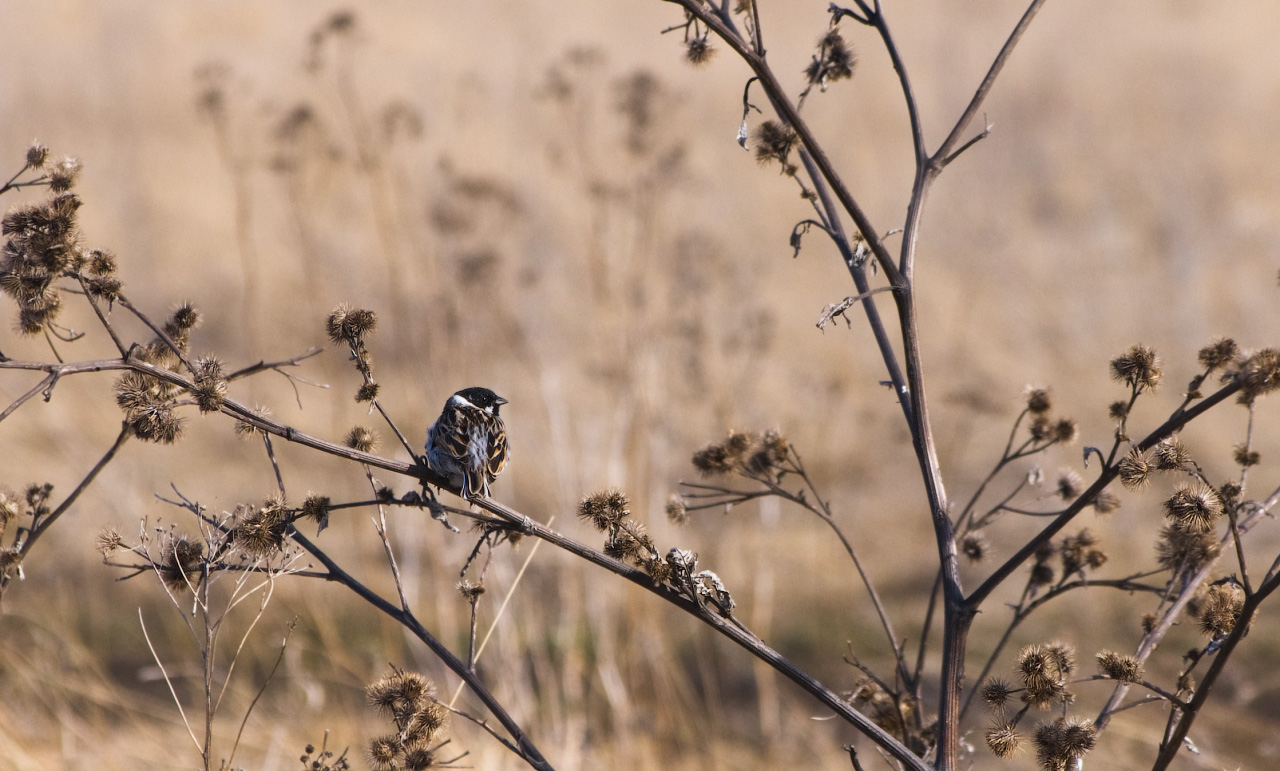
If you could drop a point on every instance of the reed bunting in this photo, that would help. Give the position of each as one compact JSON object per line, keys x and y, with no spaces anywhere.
{"x":468,"y":443}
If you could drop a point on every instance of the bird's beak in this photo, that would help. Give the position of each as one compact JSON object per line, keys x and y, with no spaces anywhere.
{"x":500,"y":401}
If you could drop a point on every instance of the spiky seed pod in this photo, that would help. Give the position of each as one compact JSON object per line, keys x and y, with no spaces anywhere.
{"x":101,"y":263}
{"x":1219,"y":353}
{"x":1245,"y":456}
{"x":418,"y":757}
{"x":383,"y":751}
{"x":427,"y":721}
{"x":996,"y":692}
{"x":1229,"y":493}
{"x":180,"y":559}
{"x":400,"y":691}
{"x":1181,"y":548}
{"x":262,"y":532}
{"x":657,"y":568}
{"x":604,"y":509}
{"x":1069,"y":485}
{"x":1041,"y":428}
{"x":1106,"y":502}
{"x":699,"y":51}
{"x":37,"y":155}
{"x":1138,"y":368}
{"x":109,"y":541}
{"x":1171,"y":454}
{"x":1039,"y":401}
{"x":1075,"y":550}
{"x":1220,"y":609}
{"x":184,"y":319}
{"x":1118,"y":411}
{"x":1004,"y":741}
{"x":469,"y":591}
{"x":1120,"y":667}
{"x":156,"y":423}
{"x":774,"y":142}
{"x":1194,"y":508}
{"x":1135,"y":470}
{"x":775,"y":445}
{"x":62,"y":176}
{"x":677,"y":509}
{"x":1065,"y":431}
{"x":334,"y":324}
{"x":1044,"y":669}
{"x":316,"y":507}
{"x":362,"y":439}
{"x":712,"y":460}
{"x":1258,"y":375}
{"x":245,"y":429}
{"x":974,"y":547}
{"x":349,"y":325}
{"x":1149,"y":622}
{"x":210,"y":385}
{"x":1060,"y":744}
{"x":367,"y":392}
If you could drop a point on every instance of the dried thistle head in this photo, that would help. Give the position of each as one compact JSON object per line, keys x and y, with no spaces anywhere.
{"x":1245,"y":456}
{"x":1259,"y":374}
{"x":1135,"y":470}
{"x":698,"y":51}
{"x":362,"y":439}
{"x":1039,"y":401}
{"x":1194,"y":508}
{"x":974,"y":546}
{"x":1219,"y":353}
{"x":1106,"y":502}
{"x":835,"y":60}
{"x":1138,"y":368}
{"x":37,"y":155}
{"x":1077,"y":552}
{"x":774,"y":142}
{"x":470,"y":591}
{"x":349,"y":325}
{"x":996,"y":693}
{"x":180,"y":561}
{"x":63,"y":174}
{"x":1219,"y":609}
{"x":400,"y":692}
{"x":1004,"y":741}
{"x":1182,"y":548}
{"x":1064,"y":431}
{"x":1069,"y":485}
{"x":1118,"y":410}
{"x":367,"y":392}
{"x":262,"y":532}
{"x":210,"y":384}
{"x":245,"y":429}
{"x":1044,"y":670}
{"x":1171,"y":454}
{"x":108,"y":541}
{"x":1120,"y":667}
{"x":604,"y":510}
{"x":677,"y":509}
{"x":316,"y":508}
{"x":1062,"y":743}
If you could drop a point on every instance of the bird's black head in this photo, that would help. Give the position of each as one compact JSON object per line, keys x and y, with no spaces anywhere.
{"x":482,"y":398}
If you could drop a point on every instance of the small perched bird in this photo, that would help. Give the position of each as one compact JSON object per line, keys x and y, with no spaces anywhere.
{"x":468,"y":443}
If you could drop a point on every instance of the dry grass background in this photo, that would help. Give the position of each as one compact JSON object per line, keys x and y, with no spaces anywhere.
{"x":627,"y":284}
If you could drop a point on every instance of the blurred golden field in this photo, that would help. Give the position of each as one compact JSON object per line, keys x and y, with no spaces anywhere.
{"x":546,"y":199}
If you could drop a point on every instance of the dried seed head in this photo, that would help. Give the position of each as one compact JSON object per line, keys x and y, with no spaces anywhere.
{"x":1064,"y":431}
{"x":418,"y":757}
{"x":1069,"y":485}
{"x":469,"y":591}
{"x":262,"y":532}
{"x":37,"y":155}
{"x":1119,"y":667}
{"x":180,"y":559}
{"x":974,"y":547}
{"x":1171,"y":454}
{"x":699,"y":51}
{"x":1076,"y":552}
{"x":996,"y":692}
{"x":1180,"y":548}
{"x":367,"y":392}
{"x":383,"y":751}
{"x":362,"y":439}
{"x":1039,"y":401}
{"x":677,"y":509}
{"x":245,"y":429}
{"x":400,"y":692}
{"x":1258,"y":375}
{"x":210,"y":386}
{"x":1138,"y":368}
{"x":1061,"y":744}
{"x":1041,"y":428}
{"x":1043,"y":676}
{"x":62,"y":175}
{"x":1220,"y":609}
{"x":1135,"y":470}
{"x":1245,"y":456}
{"x":1195,"y":508}
{"x":604,"y":509}
{"x":1106,"y":502}
{"x":1118,"y":411}
{"x":316,"y":507}
{"x":109,"y":541}
{"x":10,"y":562}
{"x":349,"y":325}
{"x":1219,"y":353}
{"x":774,"y":142}
{"x":1004,"y":741}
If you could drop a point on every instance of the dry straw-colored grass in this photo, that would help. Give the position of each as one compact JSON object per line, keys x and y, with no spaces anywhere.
{"x":555,"y":208}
